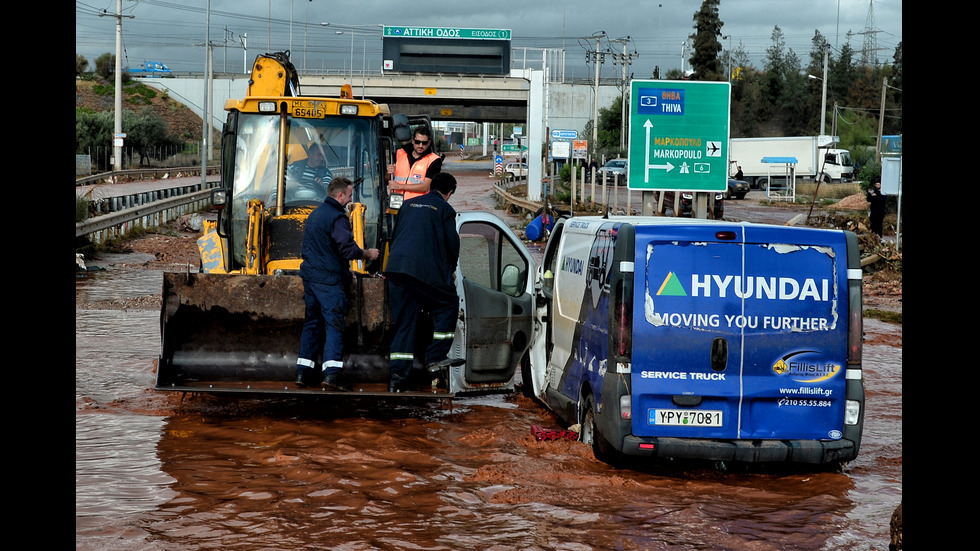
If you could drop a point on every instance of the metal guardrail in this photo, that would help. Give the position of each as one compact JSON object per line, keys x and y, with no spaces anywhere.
{"x":144,"y":174}
{"x":148,"y":215}
{"x":514,"y":201}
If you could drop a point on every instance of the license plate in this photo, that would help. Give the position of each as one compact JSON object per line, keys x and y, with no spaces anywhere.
{"x":686,"y":417}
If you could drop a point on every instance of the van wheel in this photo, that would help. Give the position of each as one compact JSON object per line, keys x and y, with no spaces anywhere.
{"x":587,"y":430}
{"x":590,"y":434}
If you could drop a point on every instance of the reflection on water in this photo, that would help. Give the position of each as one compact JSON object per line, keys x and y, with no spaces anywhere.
{"x":105,"y":282}
{"x":116,"y":468}
{"x":279,"y":478}
{"x":114,"y":353}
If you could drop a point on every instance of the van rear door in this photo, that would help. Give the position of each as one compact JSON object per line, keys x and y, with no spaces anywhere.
{"x":740,"y":332}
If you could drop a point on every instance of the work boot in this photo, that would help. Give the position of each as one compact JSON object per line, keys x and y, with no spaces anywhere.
{"x":397,"y":384}
{"x":332,"y":381}
{"x":302,"y":377}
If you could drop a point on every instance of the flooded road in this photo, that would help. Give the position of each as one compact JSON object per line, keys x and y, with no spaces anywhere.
{"x":163,"y":471}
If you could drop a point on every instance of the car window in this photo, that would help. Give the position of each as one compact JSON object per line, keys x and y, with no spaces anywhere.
{"x":488,"y":258}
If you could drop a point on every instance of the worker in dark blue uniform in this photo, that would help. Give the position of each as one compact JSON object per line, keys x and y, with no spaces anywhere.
{"x":328,"y":248}
{"x":420,"y":272}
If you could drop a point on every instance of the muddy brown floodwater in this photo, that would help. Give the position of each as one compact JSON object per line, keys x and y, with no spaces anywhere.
{"x":157,"y":470}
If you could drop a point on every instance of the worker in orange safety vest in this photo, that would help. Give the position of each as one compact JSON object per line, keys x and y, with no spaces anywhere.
{"x":415,"y":164}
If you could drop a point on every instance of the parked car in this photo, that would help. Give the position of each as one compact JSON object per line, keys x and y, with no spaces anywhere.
{"x":615,"y":168}
{"x":686,"y":199}
{"x":517,"y":171}
{"x":737,"y":189}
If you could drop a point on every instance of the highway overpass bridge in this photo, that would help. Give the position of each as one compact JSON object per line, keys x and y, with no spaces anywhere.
{"x":445,"y":97}
{"x":442,"y":97}
{"x":524,"y":97}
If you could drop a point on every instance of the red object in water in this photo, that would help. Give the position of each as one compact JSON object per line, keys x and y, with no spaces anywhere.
{"x":545,"y":433}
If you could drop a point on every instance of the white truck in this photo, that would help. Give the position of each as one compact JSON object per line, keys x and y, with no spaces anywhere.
{"x":813,"y":154}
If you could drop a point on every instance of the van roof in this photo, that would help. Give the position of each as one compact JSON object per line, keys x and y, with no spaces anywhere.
{"x":675,"y":221}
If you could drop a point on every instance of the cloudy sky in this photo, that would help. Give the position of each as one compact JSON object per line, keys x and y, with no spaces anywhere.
{"x":174,"y":31}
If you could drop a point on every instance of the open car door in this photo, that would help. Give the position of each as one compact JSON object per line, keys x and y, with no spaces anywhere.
{"x":496,"y":288}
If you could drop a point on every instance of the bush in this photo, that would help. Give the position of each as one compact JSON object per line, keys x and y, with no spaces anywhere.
{"x":565,"y":174}
{"x":869,"y":173}
{"x":81,"y":209}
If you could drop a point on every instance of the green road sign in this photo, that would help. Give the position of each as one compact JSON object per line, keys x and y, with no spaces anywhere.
{"x":678,"y":137}
{"x":447,"y":32}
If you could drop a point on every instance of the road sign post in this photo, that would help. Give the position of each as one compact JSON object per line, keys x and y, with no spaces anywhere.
{"x":679,"y":135}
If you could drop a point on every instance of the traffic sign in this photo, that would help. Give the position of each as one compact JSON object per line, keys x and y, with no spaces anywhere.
{"x":564,"y":134}
{"x":561,"y":149}
{"x":447,"y":32}
{"x":678,"y":136}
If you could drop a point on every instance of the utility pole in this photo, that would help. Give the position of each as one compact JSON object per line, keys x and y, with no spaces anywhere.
{"x":210,"y":100}
{"x":206,"y":139}
{"x":117,"y":140}
{"x":598,"y":57}
{"x":626,"y":60}
{"x":881,"y":119}
{"x":729,"y":37}
{"x":244,"y":41}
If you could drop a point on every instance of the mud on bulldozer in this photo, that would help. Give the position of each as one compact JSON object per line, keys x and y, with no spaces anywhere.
{"x":235,"y":326}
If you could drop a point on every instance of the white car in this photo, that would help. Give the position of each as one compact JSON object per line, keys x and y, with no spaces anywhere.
{"x":615,"y":168}
{"x":517,"y":171}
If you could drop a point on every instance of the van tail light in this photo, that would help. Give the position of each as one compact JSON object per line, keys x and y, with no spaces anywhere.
{"x":624,"y":320}
{"x":621,"y":296}
{"x":855,"y":322}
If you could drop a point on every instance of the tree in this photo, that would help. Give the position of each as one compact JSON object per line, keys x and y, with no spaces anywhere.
{"x":92,"y":130}
{"x":707,"y":26}
{"x":81,"y":64}
{"x":895,"y":90}
{"x":610,"y":126}
{"x":779,"y":99}
{"x":740,"y":68}
{"x":144,"y":131}
{"x":843,"y":73}
{"x":897,"y":73}
{"x":105,"y":65}
{"x":773,"y":78}
{"x":795,"y":113}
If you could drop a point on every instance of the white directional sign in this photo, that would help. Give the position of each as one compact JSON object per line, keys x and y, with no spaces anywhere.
{"x":564,"y":134}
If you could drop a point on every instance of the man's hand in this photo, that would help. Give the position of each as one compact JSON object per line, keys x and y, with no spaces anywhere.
{"x":371,"y":254}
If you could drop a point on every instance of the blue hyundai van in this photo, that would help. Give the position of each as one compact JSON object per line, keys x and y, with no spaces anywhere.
{"x":702,"y":339}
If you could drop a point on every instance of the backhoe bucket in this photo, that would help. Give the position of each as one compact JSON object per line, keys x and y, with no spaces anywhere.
{"x":222,"y":331}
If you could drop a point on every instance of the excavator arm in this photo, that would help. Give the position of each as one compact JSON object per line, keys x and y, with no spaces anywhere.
{"x":274,"y":75}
